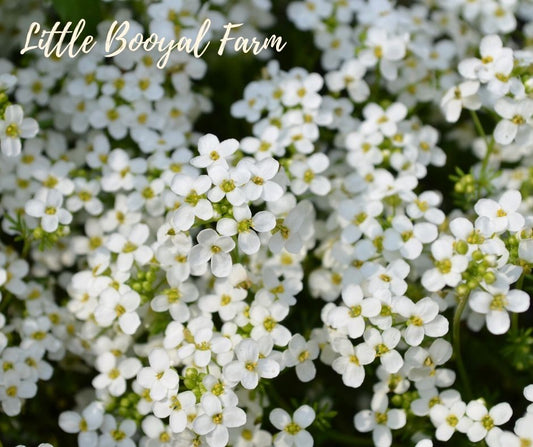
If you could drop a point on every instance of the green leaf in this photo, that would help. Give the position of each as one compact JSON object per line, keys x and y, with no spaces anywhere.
{"x":76,"y":10}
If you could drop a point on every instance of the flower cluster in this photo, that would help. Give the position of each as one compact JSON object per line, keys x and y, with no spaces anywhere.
{"x":13,"y":125}
{"x":188,"y":274}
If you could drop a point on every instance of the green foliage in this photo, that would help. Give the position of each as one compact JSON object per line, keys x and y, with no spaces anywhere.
{"x":75,"y":10}
{"x":518,"y":350}
{"x":324,"y":415}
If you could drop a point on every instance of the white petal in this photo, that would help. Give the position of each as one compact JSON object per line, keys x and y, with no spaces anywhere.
{"x":221,"y":265}
{"x":365,"y":421}
{"x":498,"y":321}
{"x":203,"y":424}
{"x":234,"y":417}
{"x":501,"y":413}
{"x":279,"y":418}
{"x":505,"y":132}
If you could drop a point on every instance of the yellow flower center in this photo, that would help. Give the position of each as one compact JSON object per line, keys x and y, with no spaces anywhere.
{"x":11,"y":391}
{"x":118,"y":435}
{"x":12,"y":131}
{"x":292,"y":428}
{"x":381,"y":418}
{"x":452,"y":420}
{"x":217,"y":418}
{"x":304,"y":355}
{"x":250,"y":366}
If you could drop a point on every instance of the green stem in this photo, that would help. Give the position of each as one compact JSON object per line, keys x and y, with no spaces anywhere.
{"x":26,"y":248}
{"x":490,"y":148}
{"x":457,"y":345}
{"x":478,"y":126}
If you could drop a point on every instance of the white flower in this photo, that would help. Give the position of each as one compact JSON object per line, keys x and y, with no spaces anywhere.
{"x":422,"y":364}
{"x":215,"y":420}
{"x":407,"y":237}
{"x":364,"y":148}
{"x":291,"y":232}
{"x":500,"y":216}
{"x":422,"y":319}
{"x":384,"y":344}
{"x":113,"y":374}
{"x":214,"y":152}
{"x":117,"y":434}
{"x":449,"y":416}
{"x":250,"y":435}
{"x":448,"y":266}
{"x":262,"y":184}
{"x":47,"y":206}
{"x":523,"y":433}
{"x":302,"y":92}
{"x":108,"y":115}
{"x":305,"y":175}
{"x":494,"y":304}
{"x":147,"y":194}
{"x":301,"y":354}
{"x":385,"y":121}
{"x":495,"y":58}
{"x":266,"y":145}
{"x":178,"y":407}
{"x":130,"y":246}
{"x":119,"y":171}
{"x":13,"y":389}
{"x":351,"y":316}
{"x":307,"y":14}
{"x":244,"y":225}
{"x":86,"y":197}
{"x":360,"y":217}
{"x":383,"y":48}
{"x":12,"y":275}
{"x":351,"y":361}
{"x":525,"y":250}
{"x":86,"y":424}
{"x":14,"y":127}
{"x":516,"y":114}
{"x":195,"y":204}
{"x":229,"y":183}
{"x":390,"y":278}
{"x":227,"y":300}
{"x":37,"y":331}
{"x":265,"y":321}
{"x":203,"y":342}
{"x":276,"y":290}
{"x":119,"y":305}
{"x":350,"y":77}
{"x":251,"y":106}
{"x":34,"y":357}
{"x":55,"y":176}
{"x":158,"y":433}
{"x":214,"y":248}
{"x":485,"y":422}
{"x":250,"y":366}
{"x":175,"y":299}
{"x":380,"y":420}
{"x":293,"y":428}
{"x":463,"y":95}
{"x":159,"y":377}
